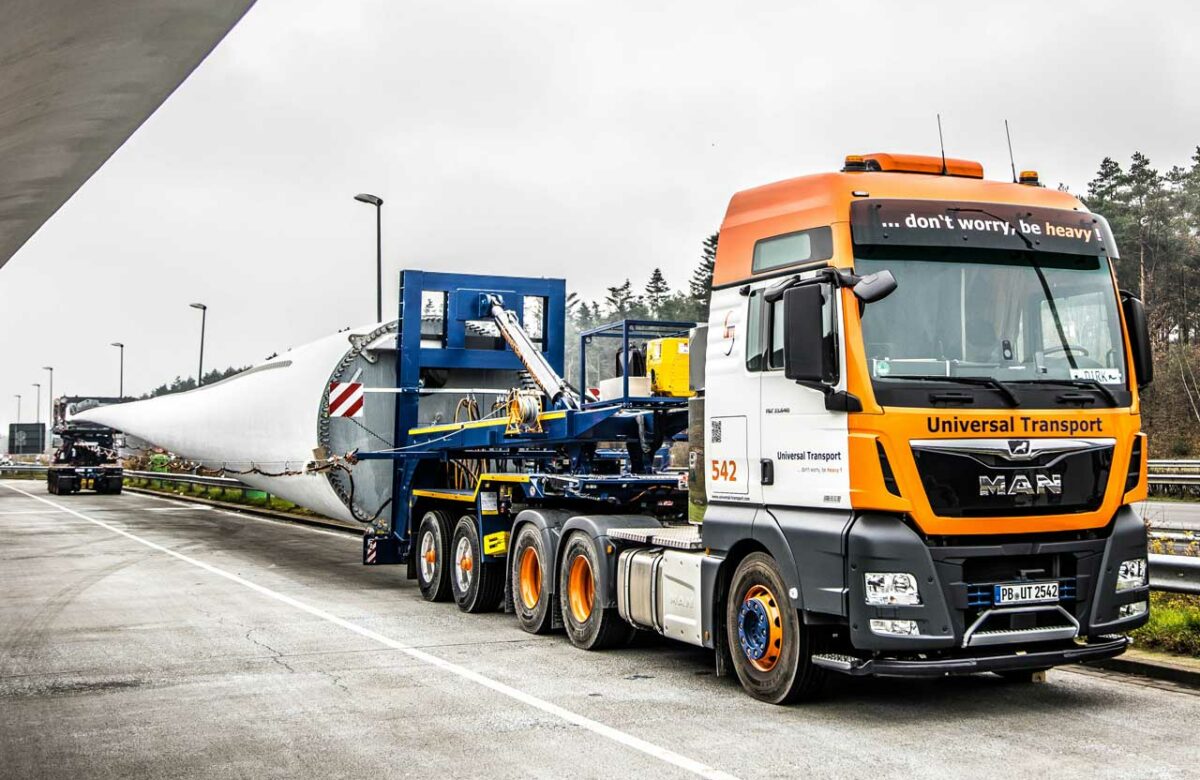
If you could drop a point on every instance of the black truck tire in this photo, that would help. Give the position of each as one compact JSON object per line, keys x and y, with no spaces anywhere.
{"x":589,"y":624}
{"x":478,"y":586}
{"x":771,"y":648}
{"x":433,"y":555}
{"x":531,"y":571}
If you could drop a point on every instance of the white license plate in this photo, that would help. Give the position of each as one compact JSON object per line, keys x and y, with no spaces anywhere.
{"x":1026,"y":593}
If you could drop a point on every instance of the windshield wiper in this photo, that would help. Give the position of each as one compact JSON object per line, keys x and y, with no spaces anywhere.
{"x":982,"y":381}
{"x":1090,"y":384}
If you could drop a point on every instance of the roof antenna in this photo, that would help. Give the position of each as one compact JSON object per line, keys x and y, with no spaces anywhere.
{"x":942,"y":142}
{"x":1011,"y":161}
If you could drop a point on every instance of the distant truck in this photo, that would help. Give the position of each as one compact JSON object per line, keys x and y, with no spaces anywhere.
{"x":86,"y":458}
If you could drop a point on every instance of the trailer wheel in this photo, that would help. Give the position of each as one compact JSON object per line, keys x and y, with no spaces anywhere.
{"x":530,"y":574}
{"x":772,"y":650}
{"x":478,"y":586}
{"x":433,"y":537}
{"x":589,"y":625}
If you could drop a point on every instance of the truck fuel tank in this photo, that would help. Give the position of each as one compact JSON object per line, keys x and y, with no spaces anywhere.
{"x":659,"y":590}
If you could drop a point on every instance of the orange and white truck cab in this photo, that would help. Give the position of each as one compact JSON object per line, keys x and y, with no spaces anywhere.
{"x":938,"y":473}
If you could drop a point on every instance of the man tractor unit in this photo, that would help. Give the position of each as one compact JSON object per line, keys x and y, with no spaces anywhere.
{"x":86,"y":457}
{"x":913,"y":433}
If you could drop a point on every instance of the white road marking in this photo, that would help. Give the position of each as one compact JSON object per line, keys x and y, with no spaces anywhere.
{"x":110,"y":509}
{"x":654,"y":751}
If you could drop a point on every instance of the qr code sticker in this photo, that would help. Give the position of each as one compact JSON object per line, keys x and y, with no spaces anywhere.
{"x":716,"y":431}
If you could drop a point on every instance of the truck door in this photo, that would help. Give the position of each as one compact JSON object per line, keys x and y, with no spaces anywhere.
{"x":803,"y":457}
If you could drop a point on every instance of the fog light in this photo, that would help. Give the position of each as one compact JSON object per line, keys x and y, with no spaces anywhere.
{"x":894,"y":627}
{"x":1131,"y":574}
{"x":1127,"y":610}
{"x":888,"y":588}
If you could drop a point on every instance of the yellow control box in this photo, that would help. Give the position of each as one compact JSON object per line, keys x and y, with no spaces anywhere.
{"x":667,"y":366}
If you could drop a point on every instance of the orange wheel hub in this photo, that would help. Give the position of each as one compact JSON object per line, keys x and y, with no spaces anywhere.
{"x":581,"y":588}
{"x":529,"y":578}
{"x":760,"y":628}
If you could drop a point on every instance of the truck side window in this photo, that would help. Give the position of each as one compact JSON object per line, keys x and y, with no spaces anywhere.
{"x":775,"y":358}
{"x":754,"y":330}
{"x":803,"y":246}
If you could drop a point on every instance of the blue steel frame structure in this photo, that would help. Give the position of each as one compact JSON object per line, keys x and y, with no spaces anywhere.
{"x":560,"y":462}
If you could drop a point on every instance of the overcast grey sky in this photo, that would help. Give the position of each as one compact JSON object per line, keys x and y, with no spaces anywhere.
{"x":588,"y":140}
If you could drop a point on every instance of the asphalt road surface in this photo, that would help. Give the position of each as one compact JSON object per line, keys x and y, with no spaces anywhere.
{"x":1173,"y":515}
{"x":144,"y":637}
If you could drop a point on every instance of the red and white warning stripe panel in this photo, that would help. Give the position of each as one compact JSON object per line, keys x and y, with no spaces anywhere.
{"x":345,"y":399}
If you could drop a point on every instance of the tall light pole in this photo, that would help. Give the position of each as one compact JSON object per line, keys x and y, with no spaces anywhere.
{"x":18,"y":397}
{"x":203,"y":319}
{"x":121,"y":392}
{"x":50,"y":416}
{"x":37,"y":410}
{"x":377,"y":202}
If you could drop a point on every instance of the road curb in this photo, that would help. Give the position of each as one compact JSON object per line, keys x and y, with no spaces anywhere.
{"x":320,"y":522}
{"x":1154,"y":666}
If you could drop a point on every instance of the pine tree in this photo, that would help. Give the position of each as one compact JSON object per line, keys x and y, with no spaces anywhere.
{"x":657,"y":291}
{"x":620,"y":299}
{"x":700,"y":285}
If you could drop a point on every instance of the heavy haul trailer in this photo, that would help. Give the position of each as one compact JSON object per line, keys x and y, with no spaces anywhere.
{"x":918,"y":392}
{"x":86,"y":458}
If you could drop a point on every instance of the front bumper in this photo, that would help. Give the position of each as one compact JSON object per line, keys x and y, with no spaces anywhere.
{"x":957,"y":615}
{"x":1098,"y":649}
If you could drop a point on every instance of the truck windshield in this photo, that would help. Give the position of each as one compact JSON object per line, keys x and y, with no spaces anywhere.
{"x":1013,"y":316}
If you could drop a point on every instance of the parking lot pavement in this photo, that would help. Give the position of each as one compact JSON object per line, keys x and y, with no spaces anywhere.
{"x":142,"y":637}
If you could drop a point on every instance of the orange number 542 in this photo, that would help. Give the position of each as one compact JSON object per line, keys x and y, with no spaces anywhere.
{"x":724,"y":470}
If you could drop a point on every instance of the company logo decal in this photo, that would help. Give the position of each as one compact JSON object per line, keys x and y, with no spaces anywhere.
{"x":1018,"y":446}
{"x":1021,"y":485}
{"x":729,"y":333}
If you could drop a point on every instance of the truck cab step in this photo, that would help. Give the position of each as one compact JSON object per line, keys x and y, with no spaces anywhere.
{"x":675,"y":537}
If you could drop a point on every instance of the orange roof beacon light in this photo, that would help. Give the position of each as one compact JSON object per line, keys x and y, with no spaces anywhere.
{"x":1030,"y":177}
{"x":854,"y":162}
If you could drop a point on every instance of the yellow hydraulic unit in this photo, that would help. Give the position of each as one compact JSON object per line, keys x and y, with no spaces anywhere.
{"x":667,"y":365}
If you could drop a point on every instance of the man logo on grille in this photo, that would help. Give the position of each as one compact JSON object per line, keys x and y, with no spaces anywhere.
{"x":1018,"y":446}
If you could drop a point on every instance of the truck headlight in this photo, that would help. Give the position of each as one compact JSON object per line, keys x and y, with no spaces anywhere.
{"x":894,"y":627}
{"x":891,"y":588}
{"x":1132,"y":610}
{"x":1131,"y":574}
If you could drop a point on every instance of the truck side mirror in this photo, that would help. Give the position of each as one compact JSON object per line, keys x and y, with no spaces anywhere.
{"x":809,"y":344}
{"x":875,"y":287}
{"x":1139,"y":338}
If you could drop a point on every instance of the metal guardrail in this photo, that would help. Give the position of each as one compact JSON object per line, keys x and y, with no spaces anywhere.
{"x":1173,"y":473}
{"x":22,"y":468}
{"x":1175,"y":573}
{"x":189,"y":479}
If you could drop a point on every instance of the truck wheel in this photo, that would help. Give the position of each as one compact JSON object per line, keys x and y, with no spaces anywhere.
{"x":530,"y":575}
{"x":433,"y":536}
{"x":771,"y":649}
{"x":478,"y":586}
{"x":52,"y":484}
{"x":589,"y":625}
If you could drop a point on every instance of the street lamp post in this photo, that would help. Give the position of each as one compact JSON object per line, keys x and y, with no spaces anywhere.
{"x":377,"y":202}
{"x":18,"y":397}
{"x":121,"y":391}
{"x":50,"y":416}
{"x":203,"y":319}
{"x":37,"y":410}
